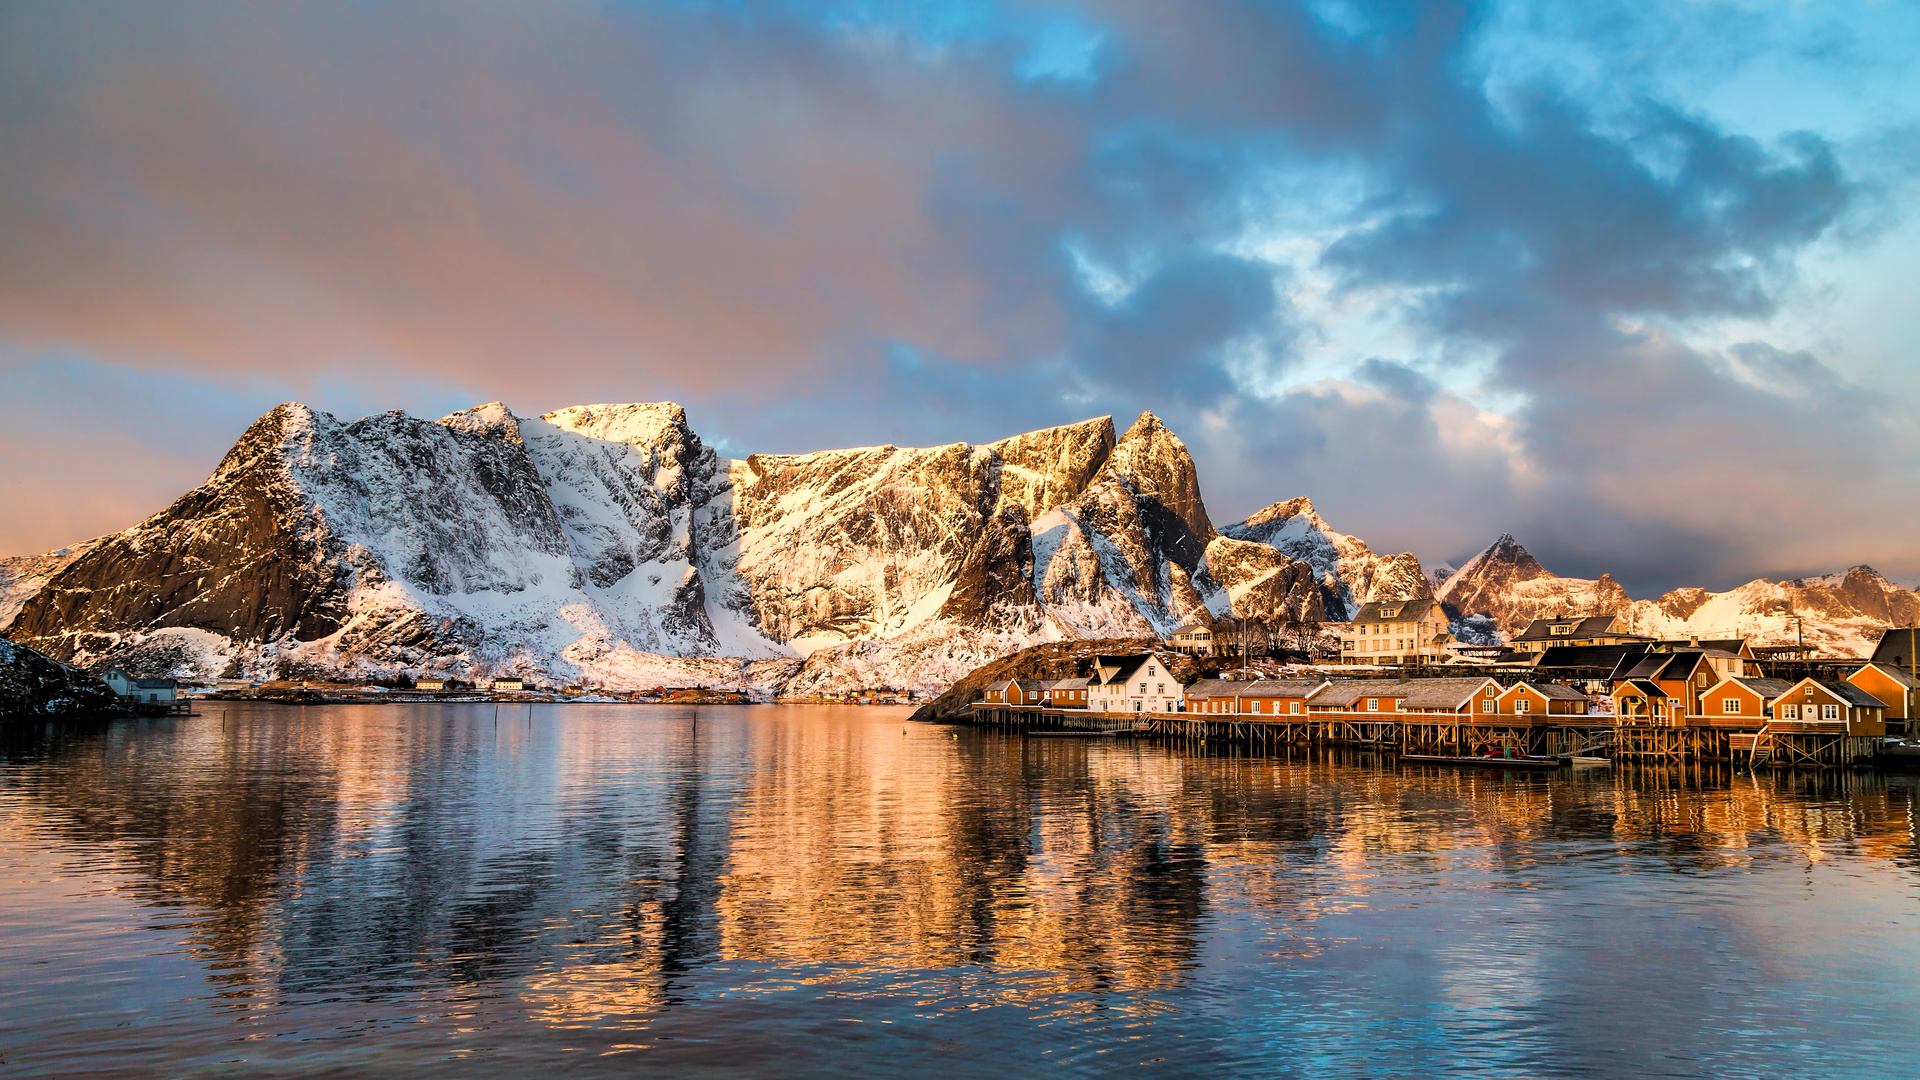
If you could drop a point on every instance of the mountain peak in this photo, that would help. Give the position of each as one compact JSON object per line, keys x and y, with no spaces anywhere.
{"x":1152,"y":461}
{"x":1146,"y":427}
{"x":493,"y":418}
{"x":640,"y":423}
{"x":1277,"y":514}
{"x":1507,"y":551}
{"x":1476,"y":587}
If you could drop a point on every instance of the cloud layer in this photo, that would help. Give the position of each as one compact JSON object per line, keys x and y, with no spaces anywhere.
{"x":1393,"y":256}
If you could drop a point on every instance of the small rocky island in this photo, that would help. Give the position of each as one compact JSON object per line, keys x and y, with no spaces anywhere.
{"x":36,"y":687}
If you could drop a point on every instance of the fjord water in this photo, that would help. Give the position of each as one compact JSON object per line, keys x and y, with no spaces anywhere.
{"x":788,"y":890}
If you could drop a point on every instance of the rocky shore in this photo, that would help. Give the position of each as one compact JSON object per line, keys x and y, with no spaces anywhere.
{"x":37,"y":687}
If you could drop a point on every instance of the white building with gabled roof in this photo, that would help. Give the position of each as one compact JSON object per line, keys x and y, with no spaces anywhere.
{"x":1137,"y":683}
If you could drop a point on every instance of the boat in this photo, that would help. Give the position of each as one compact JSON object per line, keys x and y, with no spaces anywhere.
{"x":1581,"y":761}
{"x":1519,"y":761}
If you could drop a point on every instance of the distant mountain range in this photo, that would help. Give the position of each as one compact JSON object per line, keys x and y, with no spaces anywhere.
{"x":1840,"y":613}
{"x":608,"y":545}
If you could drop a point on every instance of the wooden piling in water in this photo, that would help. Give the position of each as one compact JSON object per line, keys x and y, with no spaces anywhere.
{"x":1448,"y":734}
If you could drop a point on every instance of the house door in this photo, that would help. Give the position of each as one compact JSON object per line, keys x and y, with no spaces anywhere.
{"x":1137,"y":705}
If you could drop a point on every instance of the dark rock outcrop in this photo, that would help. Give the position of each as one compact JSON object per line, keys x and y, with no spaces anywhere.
{"x":37,"y":687}
{"x":243,"y":555}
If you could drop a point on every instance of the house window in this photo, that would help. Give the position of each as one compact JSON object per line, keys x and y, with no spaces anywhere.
{"x":1522,"y":705}
{"x":1730,"y":705}
{"x":1143,"y":688}
{"x":1161,"y":689}
{"x":1293,"y":707}
{"x":1487,"y":704}
{"x":1560,"y":631}
{"x":1789,"y":712}
{"x":1373,"y":704}
{"x":1830,"y":712}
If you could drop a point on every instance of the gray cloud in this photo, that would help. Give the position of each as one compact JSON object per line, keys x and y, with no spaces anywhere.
{"x":822,"y":231}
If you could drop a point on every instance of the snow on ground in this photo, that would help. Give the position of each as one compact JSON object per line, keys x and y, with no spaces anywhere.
{"x":23,"y":575}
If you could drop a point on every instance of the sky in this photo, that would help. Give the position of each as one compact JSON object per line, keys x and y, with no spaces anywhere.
{"x":1637,"y":283}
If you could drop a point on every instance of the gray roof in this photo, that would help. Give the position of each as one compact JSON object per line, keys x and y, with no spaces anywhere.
{"x":1650,"y":689}
{"x":1410,"y":611}
{"x":1673,"y":665}
{"x":1282,"y":687}
{"x":1217,"y":688}
{"x":1442,"y":693}
{"x":1851,"y":694}
{"x":1685,"y":663}
{"x":1126,"y":672}
{"x":1898,"y":647}
{"x":1554,"y":691}
{"x":1732,"y":644}
{"x":1343,"y":692}
{"x":1642,"y":665}
{"x":1068,"y":684}
{"x":155,"y":684}
{"x":1766,"y":688}
{"x":1583,"y":626}
{"x":1190,"y":627}
{"x":1586,"y":656}
{"x":1417,"y":693}
{"x":1126,"y":662}
{"x":1032,"y":684}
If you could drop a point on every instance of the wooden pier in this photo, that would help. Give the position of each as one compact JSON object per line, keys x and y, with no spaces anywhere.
{"x":1461,"y":735}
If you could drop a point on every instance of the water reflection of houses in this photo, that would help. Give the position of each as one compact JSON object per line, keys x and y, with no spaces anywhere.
{"x":594,"y":873}
{"x":929,"y":855}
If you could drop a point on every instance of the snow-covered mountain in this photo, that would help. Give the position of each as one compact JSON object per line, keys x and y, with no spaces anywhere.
{"x":1348,"y":573}
{"x":1842,"y":613}
{"x":607,"y":544}
{"x":23,"y":575}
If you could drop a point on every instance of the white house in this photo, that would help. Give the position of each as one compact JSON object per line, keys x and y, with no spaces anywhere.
{"x":1397,"y":632}
{"x":146,"y":691}
{"x":1140,"y":683}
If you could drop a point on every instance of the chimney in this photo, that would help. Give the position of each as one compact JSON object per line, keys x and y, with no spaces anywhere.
{"x":1694,"y":641}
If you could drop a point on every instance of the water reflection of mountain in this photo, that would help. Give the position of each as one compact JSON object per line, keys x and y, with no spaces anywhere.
{"x":596,"y":861}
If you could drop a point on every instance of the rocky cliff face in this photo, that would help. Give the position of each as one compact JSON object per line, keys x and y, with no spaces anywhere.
{"x":606,"y":544}
{"x":1839,"y":612}
{"x":21,"y":576}
{"x":1348,"y":573}
{"x":35,"y":687}
{"x":1486,"y":581}
{"x":477,"y":543}
{"x":600,"y":543}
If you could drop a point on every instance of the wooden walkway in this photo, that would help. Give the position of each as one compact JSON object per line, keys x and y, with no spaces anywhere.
{"x":1415,"y":733}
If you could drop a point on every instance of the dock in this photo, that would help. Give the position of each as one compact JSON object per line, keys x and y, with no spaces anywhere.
{"x":1448,"y":734}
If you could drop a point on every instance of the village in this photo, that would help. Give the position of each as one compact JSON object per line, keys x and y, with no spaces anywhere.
{"x":1562,"y":685}
{"x":178,"y":694}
